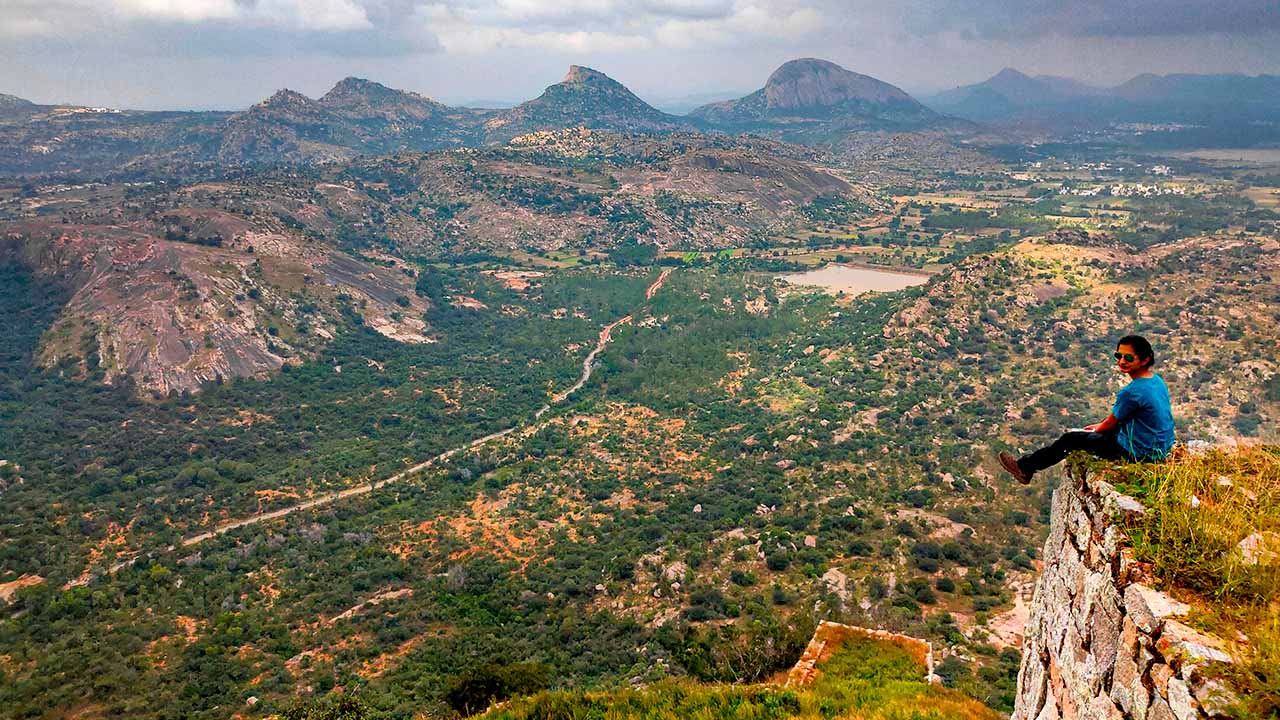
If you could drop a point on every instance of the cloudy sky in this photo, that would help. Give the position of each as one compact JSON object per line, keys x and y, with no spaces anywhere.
{"x":231,"y":53}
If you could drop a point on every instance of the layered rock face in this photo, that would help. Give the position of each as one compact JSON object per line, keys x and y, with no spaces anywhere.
{"x":1099,"y":642}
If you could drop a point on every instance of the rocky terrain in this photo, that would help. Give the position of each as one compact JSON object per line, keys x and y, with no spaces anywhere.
{"x":41,"y":139}
{"x":1041,"y":297}
{"x":809,"y":101}
{"x":176,"y":288}
{"x":356,"y":117}
{"x":584,"y":97}
{"x":1101,"y":642}
{"x":173,"y":316}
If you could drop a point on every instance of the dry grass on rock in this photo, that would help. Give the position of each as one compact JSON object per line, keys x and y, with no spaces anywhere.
{"x":1213,"y":532}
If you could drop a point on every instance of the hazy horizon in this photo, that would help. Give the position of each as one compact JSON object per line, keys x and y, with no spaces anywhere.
{"x":229,"y":54}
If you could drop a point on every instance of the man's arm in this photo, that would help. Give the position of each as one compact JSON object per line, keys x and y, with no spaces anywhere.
{"x":1103,"y":426}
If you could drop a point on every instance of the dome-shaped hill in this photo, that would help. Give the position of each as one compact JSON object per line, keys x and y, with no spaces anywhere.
{"x":809,"y":98}
{"x":811,"y":83}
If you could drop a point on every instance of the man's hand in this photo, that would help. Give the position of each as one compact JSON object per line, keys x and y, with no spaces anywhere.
{"x":1091,"y":428}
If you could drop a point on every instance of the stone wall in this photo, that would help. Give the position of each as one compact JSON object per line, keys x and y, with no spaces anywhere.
{"x":829,"y":636}
{"x":1100,"y":642}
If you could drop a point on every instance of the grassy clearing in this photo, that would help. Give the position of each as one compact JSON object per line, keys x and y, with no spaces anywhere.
{"x":1192,"y":546}
{"x":864,"y":680}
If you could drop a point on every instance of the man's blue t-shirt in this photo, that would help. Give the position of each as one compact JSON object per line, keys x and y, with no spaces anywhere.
{"x":1145,"y":428}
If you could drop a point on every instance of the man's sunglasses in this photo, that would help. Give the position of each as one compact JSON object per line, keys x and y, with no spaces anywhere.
{"x":1126,"y":357}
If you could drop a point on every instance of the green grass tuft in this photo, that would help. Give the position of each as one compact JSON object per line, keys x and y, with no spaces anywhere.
{"x":864,"y":680}
{"x":1192,"y":547}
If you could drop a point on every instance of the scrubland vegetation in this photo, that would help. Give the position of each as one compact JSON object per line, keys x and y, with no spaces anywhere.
{"x":748,"y":457}
{"x":863,"y":680}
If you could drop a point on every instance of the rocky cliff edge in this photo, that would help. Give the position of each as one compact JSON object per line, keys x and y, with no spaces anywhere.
{"x":1100,"y":641}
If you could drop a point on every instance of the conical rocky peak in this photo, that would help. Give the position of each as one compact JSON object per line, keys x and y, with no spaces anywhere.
{"x":1008,"y":74}
{"x":579,"y":75}
{"x":584,"y":97}
{"x":286,"y":98}
{"x":354,"y":87}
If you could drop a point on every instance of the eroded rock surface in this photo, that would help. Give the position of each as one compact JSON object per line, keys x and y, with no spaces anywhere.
{"x":174,"y":316}
{"x":1100,"y":643}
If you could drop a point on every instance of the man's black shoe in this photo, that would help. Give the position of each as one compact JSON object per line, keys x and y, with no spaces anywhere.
{"x":1010,"y":463}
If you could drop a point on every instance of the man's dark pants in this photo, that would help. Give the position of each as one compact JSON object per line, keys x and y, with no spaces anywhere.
{"x":1103,"y":445}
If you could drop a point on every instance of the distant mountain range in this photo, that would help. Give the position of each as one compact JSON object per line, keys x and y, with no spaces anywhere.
{"x":808,"y":101}
{"x":356,"y":117}
{"x":1013,"y":97}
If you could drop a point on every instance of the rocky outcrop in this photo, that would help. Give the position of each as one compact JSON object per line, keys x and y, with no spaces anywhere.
{"x":175,"y":316}
{"x":1100,"y":642}
{"x":810,"y":96}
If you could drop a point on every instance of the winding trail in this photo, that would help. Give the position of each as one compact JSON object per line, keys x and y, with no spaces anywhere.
{"x":587,"y":367}
{"x":605,"y":336}
{"x":657,"y":284}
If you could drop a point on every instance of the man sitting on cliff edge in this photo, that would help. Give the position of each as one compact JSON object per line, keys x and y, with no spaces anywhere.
{"x":1139,"y":428}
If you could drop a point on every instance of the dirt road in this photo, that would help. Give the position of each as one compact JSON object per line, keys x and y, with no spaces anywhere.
{"x":320,"y":500}
{"x":653,"y":289}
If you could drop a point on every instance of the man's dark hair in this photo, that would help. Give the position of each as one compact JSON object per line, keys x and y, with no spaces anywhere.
{"x":1141,"y":348}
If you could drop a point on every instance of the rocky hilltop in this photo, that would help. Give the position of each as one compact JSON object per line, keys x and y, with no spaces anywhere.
{"x":365,"y":98}
{"x":810,"y":96}
{"x":585,"y":97}
{"x":355,"y":117}
{"x":170,"y":311}
{"x":13,"y":103}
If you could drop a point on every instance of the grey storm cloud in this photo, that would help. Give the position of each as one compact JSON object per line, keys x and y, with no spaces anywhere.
{"x":383,"y":28}
{"x":219,"y":53}
{"x":220,"y":40}
{"x":1185,"y":18}
{"x":342,"y":28}
{"x":1092,"y":18}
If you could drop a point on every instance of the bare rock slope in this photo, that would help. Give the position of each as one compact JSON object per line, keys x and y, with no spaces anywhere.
{"x":172,"y":316}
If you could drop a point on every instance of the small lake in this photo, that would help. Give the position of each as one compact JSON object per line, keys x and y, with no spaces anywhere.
{"x":855,"y":280}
